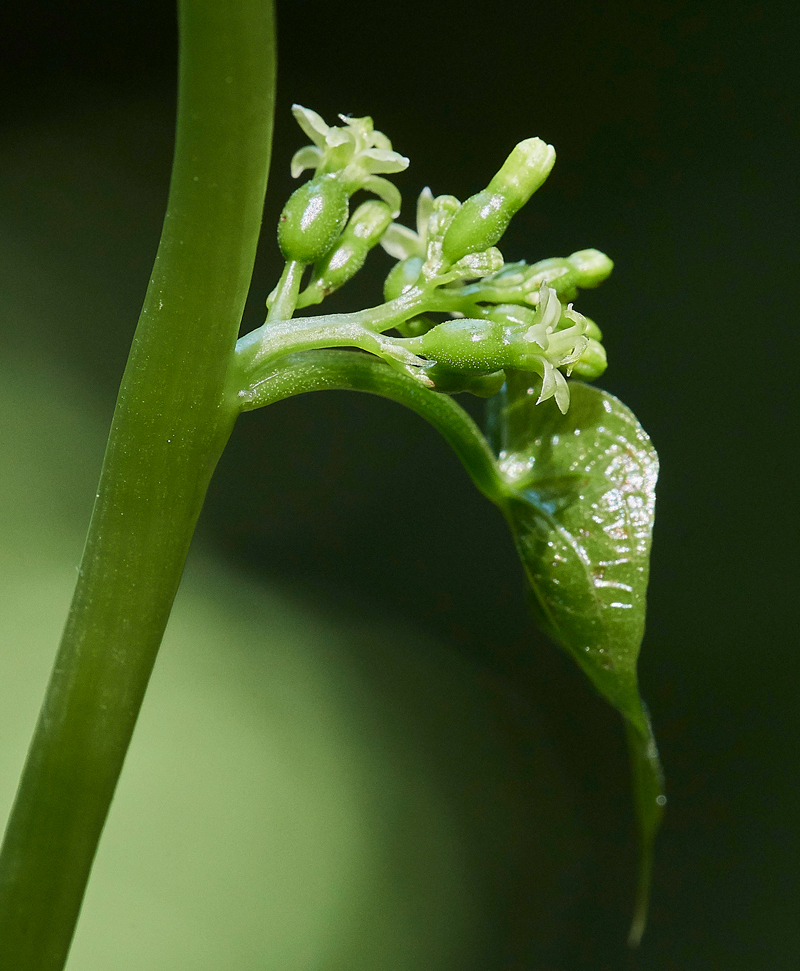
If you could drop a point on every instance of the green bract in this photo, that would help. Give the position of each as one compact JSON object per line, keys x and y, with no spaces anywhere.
{"x":578,"y":492}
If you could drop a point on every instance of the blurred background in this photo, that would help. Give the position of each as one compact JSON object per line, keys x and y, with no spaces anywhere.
{"x":357,"y":751}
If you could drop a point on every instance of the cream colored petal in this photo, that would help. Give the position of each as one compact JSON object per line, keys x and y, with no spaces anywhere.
{"x":424,"y":210}
{"x":384,"y":189}
{"x":400,"y":243}
{"x":379,"y":140}
{"x":561,"y":392}
{"x":537,"y":334}
{"x":548,"y":382}
{"x":339,"y":136}
{"x":549,"y":307}
{"x":378,"y":160}
{"x":307,"y":157}
{"x":311,"y":123}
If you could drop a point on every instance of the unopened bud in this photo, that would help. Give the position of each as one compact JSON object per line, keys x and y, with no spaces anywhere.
{"x":591,"y":266}
{"x":484,"y":217}
{"x":312,"y":219}
{"x":469,"y":346}
{"x":524,"y":171}
{"x":402,"y":276}
{"x":367,"y":225}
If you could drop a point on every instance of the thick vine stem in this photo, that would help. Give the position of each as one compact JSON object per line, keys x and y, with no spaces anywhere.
{"x":172,"y":420}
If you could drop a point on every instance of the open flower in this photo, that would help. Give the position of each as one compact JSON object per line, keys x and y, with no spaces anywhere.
{"x":356,"y":153}
{"x":541,"y":342}
{"x":557,"y":346}
{"x":547,"y":340}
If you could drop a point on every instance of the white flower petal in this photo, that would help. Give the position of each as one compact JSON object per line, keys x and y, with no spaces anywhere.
{"x":400,"y":243}
{"x":549,"y":307}
{"x":360,"y":130}
{"x":362,"y":125}
{"x":307,"y":157}
{"x":379,"y":140}
{"x":424,"y":210}
{"x":379,"y":160}
{"x":575,"y":317}
{"x":311,"y":123}
{"x":339,"y":136}
{"x":561,"y":392}
{"x":575,"y":353}
{"x":384,"y":189}
{"x":548,"y":382}
{"x":537,"y":334}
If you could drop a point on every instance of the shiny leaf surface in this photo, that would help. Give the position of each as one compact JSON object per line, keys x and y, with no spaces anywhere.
{"x":578,"y":491}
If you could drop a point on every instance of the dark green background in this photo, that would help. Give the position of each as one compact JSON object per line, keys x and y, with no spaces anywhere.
{"x":676,"y":130}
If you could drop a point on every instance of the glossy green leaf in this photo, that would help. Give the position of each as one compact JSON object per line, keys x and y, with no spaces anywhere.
{"x":578,"y":491}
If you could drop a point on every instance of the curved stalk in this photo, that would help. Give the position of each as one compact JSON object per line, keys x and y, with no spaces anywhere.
{"x":172,"y":420}
{"x":348,"y":371}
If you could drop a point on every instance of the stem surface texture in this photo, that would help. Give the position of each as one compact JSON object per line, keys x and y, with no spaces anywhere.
{"x":172,"y":420}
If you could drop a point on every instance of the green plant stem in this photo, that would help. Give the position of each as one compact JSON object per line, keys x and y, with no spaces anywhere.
{"x":286,"y":292}
{"x":348,"y":371}
{"x":278,"y":337}
{"x":172,"y":420}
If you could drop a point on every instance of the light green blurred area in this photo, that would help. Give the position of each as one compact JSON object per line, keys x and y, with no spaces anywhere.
{"x":302,"y":792}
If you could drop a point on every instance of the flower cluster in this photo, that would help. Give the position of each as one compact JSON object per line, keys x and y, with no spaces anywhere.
{"x":502,"y":316}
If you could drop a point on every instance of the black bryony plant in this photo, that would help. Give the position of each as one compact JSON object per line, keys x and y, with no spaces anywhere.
{"x":567,"y":464}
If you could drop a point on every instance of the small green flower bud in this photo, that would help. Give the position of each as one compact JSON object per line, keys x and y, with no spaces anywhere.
{"x":402,"y":276}
{"x":592,"y":330}
{"x":477,"y":225}
{"x":367,"y":224}
{"x":484,"y":217}
{"x":523,"y":172}
{"x":312,"y":219}
{"x":592,"y":362}
{"x":591,"y":266}
{"x":469,"y":346}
